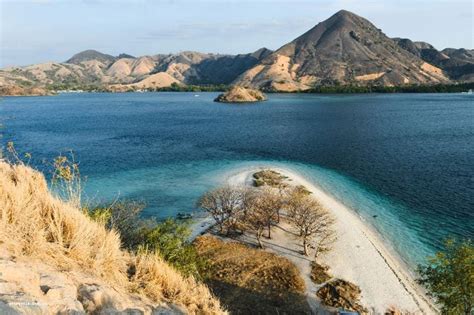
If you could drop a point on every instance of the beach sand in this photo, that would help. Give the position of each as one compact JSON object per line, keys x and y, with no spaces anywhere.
{"x":358,"y":255}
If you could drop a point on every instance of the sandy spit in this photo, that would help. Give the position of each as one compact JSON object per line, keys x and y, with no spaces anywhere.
{"x":359,"y":255}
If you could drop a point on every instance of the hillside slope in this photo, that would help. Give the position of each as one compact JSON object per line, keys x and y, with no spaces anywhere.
{"x":457,"y":63}
{"x":94,"y":68}
{"x":344,"y":49}
{"x":53,"y":258}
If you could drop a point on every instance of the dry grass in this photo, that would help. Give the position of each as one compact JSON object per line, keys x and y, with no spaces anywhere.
{"x":157,"y":280}
{"x":319,"y":273}
{"x":252,"y":281}
{"x":34,"y":223}
{"x":268,"y":177}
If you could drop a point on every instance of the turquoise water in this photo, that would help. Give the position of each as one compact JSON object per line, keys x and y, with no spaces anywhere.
{"x":407,"y":159}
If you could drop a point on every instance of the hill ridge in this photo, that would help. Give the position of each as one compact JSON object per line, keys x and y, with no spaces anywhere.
{"x":345,"y":49}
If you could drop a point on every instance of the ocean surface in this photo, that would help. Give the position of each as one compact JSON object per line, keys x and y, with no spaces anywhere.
{"x":403,"y":162}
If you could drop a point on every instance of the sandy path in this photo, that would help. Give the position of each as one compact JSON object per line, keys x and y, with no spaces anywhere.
{"x":358,"y":255}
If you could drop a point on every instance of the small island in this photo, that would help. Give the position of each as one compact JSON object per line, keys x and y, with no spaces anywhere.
{"x":239,"y":94}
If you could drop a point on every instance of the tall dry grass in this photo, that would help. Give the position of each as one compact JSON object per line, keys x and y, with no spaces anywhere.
{"x":35,"y":223}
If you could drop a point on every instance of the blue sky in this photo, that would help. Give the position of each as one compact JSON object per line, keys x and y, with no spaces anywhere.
{"x":34,"y":31}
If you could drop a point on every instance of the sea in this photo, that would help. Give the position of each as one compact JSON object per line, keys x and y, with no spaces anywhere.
{"x":403,"y":162}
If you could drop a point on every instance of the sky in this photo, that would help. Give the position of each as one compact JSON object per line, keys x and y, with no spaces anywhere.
{"x":34,"y":31}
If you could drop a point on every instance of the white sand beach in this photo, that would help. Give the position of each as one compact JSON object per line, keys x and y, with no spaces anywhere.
{"x":358,"y":255}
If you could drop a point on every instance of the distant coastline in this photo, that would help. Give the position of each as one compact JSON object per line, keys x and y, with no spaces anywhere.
{"x":337,"y":89}
{"x":345,"y":53}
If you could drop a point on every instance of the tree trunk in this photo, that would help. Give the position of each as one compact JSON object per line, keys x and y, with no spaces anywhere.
{"x":316,"y":252}
{"x":305,"y":247}
{"x":259,"y":235}
{"x":269,"y":230}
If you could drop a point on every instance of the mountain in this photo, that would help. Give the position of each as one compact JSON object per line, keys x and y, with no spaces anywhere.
{"x":91,"y":55}
{"x":458,"y":64}
{"x":344,"y":49}
{"x":94,"y":68}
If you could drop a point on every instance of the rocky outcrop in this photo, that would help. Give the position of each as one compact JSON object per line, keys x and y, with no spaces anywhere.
{"x":238,"y":94}
{"x":341,"y":293}
{"x":31,"y":287}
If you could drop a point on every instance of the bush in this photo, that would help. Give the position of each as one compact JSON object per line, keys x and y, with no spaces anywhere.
{"x":268,"y":177}
{"x":449,"y":277}
{"x":169,"y":240}
{"x":123,"y":216}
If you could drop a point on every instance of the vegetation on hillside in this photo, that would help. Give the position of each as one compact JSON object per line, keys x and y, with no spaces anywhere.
{"x":168,"y":239}
{"x":321,"y":89}
{"x":433,"y":88}
{"x":449,"y":277}
{"x":193,"y":88}
{"x":53,"y":229}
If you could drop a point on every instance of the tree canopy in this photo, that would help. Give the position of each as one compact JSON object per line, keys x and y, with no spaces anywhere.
{"x":449,"y":277}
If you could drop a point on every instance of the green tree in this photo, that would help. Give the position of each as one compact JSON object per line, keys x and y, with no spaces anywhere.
{"x":449,"y":277}
{"x":170,"y":240}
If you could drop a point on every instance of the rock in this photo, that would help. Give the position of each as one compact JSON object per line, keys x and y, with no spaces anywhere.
{"x":239,"y":94}
{"x":343,"y":294}
{"x":31,"y":287}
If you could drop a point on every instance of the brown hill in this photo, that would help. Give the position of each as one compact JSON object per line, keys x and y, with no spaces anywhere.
{"x":344,"y":49}
{"x":97,"y":69}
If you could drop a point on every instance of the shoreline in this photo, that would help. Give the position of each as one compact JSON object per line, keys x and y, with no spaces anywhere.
{"x":384,"y":278}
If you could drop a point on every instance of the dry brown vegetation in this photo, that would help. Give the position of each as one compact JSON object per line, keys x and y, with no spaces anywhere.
{"x":252,"y":281}
{"x":268,"y":177}
{"x":35,"y":224}
{"x":319,"y":273}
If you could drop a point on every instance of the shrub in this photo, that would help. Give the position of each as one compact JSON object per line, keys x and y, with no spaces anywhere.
{"x":449,"y":277}
{"x":169,"y":240}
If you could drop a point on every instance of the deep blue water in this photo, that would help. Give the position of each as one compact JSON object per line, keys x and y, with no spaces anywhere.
{"x":407,"y":158}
